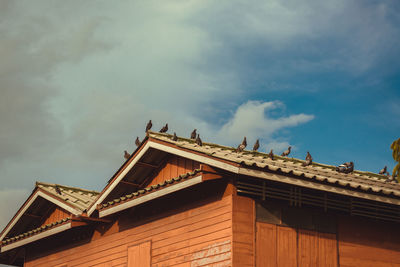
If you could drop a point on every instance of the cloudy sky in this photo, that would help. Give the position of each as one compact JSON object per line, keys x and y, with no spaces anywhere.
{"x":79,"y":81}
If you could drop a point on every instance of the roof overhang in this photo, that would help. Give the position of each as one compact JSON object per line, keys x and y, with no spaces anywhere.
{"x":148,"y":197}
{"x":36,"y":237}
{"x":35,"y":195}
{"x":162,"y":146}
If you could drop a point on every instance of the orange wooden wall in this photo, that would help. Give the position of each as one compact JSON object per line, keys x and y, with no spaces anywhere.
{"x":173,"y":167}
{"x":56,"y":215}
{"x":201,"y":236}
{"x":368,"y":244}
{"x":284,"y":246}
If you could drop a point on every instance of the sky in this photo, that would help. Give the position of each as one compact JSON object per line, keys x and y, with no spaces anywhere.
{"x":79,"y":81}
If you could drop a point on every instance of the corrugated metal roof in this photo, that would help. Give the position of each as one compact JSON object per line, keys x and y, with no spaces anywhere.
{"x":34,"y":231}
{"x":79,"y":198}
{"x":151,"y":188}
{"x":359,"y":180}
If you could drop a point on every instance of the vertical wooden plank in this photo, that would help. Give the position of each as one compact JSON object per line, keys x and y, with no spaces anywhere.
{"x":174,"y":166}
{"x":308,"y":248}
{"x":188,"y":165}
{"x":181,"y":165}
{"x":286,"y":246}
{"x":139,"y":255}
{"x":327,"y":250}
{"x":266,"y":245}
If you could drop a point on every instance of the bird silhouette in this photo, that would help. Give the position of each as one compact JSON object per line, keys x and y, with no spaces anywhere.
{"x":137,"y":141}
{"x":164,"y":129}
{"x":271,"y":154}
{"x":193,"y":134}
{"x":174,"y":138}
{"x":126,"y":155}
{"x":198,"y":141}
{"x":256,"y":145}
{"x":242,"y":146}
{"x":148,"y":126}
{"x":286,"y":152}
{"x":383,"y":171}
{"x":58,"y":190}
{"x":308,"y":160}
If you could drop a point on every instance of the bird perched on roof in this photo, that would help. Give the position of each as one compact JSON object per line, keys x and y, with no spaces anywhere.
{"x":174,"y":138}
{"x":256,"y":145}
{"x":137,"y":141}
{"x":198,"y":141}
{"x":164,"y":129}
{"x":193,"y":134}
{"x":308,"y":160}
{"x":383,"y":171}
{"x":346,"y":167}
{"x":271,"y":154}
{"x":286,"y":152}
{"x":58,"y":190}
{"x":242,"y":146}
{"x":148,"y":126}
{"x":391,"y":178}
{"x":126,"y":155}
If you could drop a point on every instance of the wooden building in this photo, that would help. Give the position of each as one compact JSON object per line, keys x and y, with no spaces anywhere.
{"x":174,"y":203}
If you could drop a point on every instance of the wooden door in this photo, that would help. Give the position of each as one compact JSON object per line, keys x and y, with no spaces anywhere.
{"x":139,"y":255}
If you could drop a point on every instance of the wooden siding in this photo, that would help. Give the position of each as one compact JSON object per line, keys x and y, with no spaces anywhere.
{"x":200,"y":236}
{"x":173,"y":167}
{"x":243,"y":231}
{"x":139,"y":255}
{"x":285,"y":246}
{"x":55,"y":215}
{"x":367,"y":243}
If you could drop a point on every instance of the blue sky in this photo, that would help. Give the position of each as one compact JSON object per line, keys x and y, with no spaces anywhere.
{"x":79,"y":84}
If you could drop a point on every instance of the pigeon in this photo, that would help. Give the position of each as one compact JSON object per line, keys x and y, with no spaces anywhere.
{"x":242,"y":146}
{"x":137,"y":141}
{"x":127,"y":155}
{"x":193,"y":134}
{"x":346,"y":167}
{"x":256,"y":145}
{"x":174,"y":138}
{"x":164,"y":129}
{"x":383,"y":171}
{"x":308,"y":160}
{"x":198,"y":141}
{"x":391,"y":179}
{"x":286,"y":152}
{"x":148,"y":126}
{"x":58,"y":190}
{"x":271,"y":154}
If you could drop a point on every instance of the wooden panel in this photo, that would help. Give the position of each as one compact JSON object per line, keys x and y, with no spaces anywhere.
{"x":173,"y":167}
{"x":199,"y":236}
{"x":243,"y":223}
{"x":286,"y":246}
{"x":308,"y":248}
{"x":266,"y":245}
{"x":139,"y":255}
{"x":368,"y":243}
{"x":327,"y":250}
{"x":56,"y":215}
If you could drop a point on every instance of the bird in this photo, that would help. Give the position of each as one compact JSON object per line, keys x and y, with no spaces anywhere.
{"x":126,"y":155}
{"x":308,"y":160}
{"x":391,"y":179}
{"x":242,"y":146}
{"x":383,"y":171}
{"x":286,"y":152}
{"x":271,"y":154}
{"x":256,"y":145}
{"x":58,"y":190}
{"x":174,"y":138}
{"x":164,"y":129}
{"x":346,"y":167}
{"x":137,"y":141}
{"x":148,"y":126}
{"x":198,"y":141}
{"x":193,"y":134}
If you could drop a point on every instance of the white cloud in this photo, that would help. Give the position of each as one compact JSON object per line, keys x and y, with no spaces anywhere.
{"x":252,"y":120}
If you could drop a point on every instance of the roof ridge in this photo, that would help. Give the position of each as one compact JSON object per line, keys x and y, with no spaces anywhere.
{"x":367,"y":174}
{"x":67,"y":187}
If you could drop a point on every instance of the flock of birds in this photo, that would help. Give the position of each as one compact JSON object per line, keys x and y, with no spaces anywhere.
{"x":346,"y":167}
